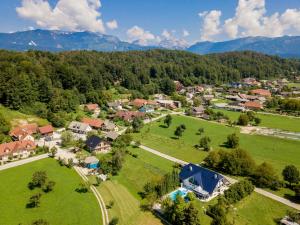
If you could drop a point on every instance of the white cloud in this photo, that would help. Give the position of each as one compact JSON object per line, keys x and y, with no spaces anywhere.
{"x":140,"y":35}
{"x":211,"y":23}
{"x":69,"y":15}
{"x":185,"y":33}
{"x":250,"y":19}
{"x":166,"y":34}
{"x":169,"y":40}
{"x":112,"y":24}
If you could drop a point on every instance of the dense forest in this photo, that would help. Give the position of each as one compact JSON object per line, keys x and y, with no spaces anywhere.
{"x":60,"y":81}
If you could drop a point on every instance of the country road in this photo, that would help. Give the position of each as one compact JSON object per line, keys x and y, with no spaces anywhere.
{"x":23,"y":161}
{"x":231,"y":180}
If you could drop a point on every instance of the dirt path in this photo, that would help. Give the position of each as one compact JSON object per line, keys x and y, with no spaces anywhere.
{"x":105,"y":218}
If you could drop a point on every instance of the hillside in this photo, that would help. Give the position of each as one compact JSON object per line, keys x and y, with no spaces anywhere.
{"x":58,"y":82}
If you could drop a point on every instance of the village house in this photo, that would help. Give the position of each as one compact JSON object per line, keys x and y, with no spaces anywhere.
{"x":138,"y":103}
{"x":249,"y":81}
{"x":24,"y":132}
{"x":261,"y":92}
{"x":97,"y":144}
{"x":47,"y":131}
{"x":111,"y":136}
{"x":198,"y":111}
{"x":16,"y":150}
{"x":92,"y":108}
{"x":253,"y":105}
{"x":93,"y":123}
{"x":116,"y":106}
{"x":146,"y":109}
{"x":169,"y":104}
{"x":178,"y":85}
{"x":129,"y":115}
{"x":91,"y":162}
{"x":80,"y":128}
{"x":205,"y":184}
{"x":109,"y":126}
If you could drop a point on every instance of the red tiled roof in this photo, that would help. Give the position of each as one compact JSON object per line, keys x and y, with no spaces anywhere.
{"x":22,"y":131}
{"x":261,"y":92}
{"x":11,"y":147}
{"x":46,"y":129}
{"x":140,"y":102}
{"x":128,"y":115}
{"x":253,"y":105}
{"x":92,"y":107}
{"x":96,"y":123}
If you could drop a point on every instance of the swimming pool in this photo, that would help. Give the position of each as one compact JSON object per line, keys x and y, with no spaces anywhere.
{"x":181,"y":192}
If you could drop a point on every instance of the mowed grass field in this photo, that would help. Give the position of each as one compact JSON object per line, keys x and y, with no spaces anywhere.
{"x":63,"y":206}
{"x":271,"y":121}
{"x":16,"y":117}
{"x":123,"y":190}
{"x":278,"y":152}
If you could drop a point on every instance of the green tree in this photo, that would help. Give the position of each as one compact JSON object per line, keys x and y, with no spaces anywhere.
{"x":297,"y":192}
{"x":291,"y":174}
{"x":205,"y":143}
{"x":114,"y":221}
{"x":178,"y":132}
{"x":66,"y":138}
{"x":257,"y":121}
{"x":233,"y":141}
{"x":200,"y":130}
{"x":243,"y":120}
{"x":265,"y":176}
{"x":39,"y":178}
{"x":53,"y":151}
{"x":137,"y":124}
{"x":168,"y":120}
{"x":34,"y":201}
{"x":4,"y":125}
{"x":40,"y":222}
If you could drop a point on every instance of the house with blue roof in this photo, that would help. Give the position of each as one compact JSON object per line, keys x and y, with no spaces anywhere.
{"x":206,"y":184}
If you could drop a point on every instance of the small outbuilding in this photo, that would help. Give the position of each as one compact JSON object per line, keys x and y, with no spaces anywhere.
{"x":91,"y":162}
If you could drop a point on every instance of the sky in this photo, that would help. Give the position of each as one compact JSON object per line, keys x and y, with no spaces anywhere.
{"x":148,"y":22}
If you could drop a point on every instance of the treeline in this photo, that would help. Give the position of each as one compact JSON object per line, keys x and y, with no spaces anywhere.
{"x":63,"y":80}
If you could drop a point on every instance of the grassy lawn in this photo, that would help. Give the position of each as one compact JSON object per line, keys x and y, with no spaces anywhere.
{"x":278,"y":152}
{"x":16,"y":117}
{"x":124,"y":189}
{"x":257,"y":210}
{"x":270,"y":121}
{"x":61,"y":206}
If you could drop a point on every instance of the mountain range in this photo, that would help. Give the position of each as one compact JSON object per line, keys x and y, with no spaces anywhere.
{"x":46,"y":40}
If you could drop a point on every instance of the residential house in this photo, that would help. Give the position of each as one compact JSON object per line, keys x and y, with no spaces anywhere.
{"x":178,"y":85}
{"x":261,"y":92}
{"x":47,"y":131}
{"x":112,"y":136}
{"x":253,"y":105}
{"x":97,"y":144}
{"x":146,"y":109}
{"x":116,"y":106}
{"x":109,"y":126}
{"x":91,"y":162}
{"x":24,"y":132}
{"x":138,"y":103}
{"x":205,"y":183}
{"x":198,"y":111}
{"x":129,"y":115}
{"x":16,"y":149}
{"x":92,"y":107}
{"x":249,"y":81}
{"x":93,"y":123}
{"x":169,"y":104}
{"x":80,"y":128}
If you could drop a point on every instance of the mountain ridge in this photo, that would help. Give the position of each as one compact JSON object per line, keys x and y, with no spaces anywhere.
{"x":55,"y":40}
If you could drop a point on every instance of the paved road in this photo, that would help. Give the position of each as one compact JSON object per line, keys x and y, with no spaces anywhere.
{"x":257,"y":190}
{"x":105,"y":219}
{"x":23,"y":161}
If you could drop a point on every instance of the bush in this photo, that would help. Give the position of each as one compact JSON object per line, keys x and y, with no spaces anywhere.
{"x":243,"y":120}
{"x":238,"y":191}
{"x":265,"y":177}
{"x":233,"y":141}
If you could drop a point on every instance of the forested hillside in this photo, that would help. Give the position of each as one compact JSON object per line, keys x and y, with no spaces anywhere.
{"x":60,"y":81}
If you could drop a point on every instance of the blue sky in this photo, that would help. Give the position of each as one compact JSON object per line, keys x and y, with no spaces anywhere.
{"x":156,"y":20}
